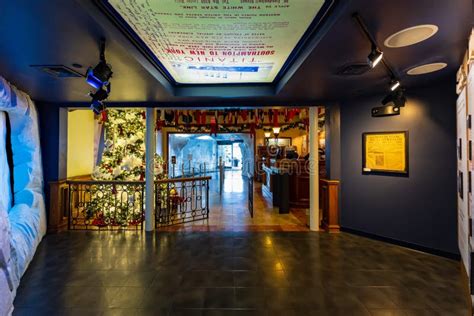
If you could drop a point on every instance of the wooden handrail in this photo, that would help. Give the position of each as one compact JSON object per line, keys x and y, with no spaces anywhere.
{"x":104,"y":182}
{"x":118,"y":182}
{"x":183,"y":179}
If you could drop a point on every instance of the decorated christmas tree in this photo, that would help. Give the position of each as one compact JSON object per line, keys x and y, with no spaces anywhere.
{"x":123,"y":159}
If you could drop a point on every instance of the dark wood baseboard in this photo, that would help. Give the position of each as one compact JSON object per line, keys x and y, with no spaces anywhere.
{"x":405,"y":244}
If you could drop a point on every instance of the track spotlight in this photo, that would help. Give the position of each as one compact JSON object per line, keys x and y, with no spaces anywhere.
{"x":396,"y":99}
{"x":97,"y":107}
{"x":374,"y":57}
{"x":391,"y":104}
{"x":100,"y":75}
{"x":98,"y":98}
{"x":394,"y":84}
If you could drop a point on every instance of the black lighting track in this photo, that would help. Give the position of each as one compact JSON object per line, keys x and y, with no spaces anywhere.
{"x":360,"y":21}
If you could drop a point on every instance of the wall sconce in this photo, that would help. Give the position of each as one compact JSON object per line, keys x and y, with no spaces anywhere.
{"x":267,"y":137}
{"x":276,"y":131}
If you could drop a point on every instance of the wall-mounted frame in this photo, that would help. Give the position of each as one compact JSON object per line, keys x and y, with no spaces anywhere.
{"x":280,"y":141}
{"x":385,"y":152}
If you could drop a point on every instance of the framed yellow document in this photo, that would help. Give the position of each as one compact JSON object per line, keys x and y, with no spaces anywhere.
{"x":385,"y":152}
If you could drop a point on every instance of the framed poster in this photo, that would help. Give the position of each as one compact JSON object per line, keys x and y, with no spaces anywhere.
{"x":219,"y":42}
{"x":385,"y":152}
{"x":281,"y":141}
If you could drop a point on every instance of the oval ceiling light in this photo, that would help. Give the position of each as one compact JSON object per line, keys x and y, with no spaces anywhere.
{"x":426,"y":69}
{"x":411,"y":35}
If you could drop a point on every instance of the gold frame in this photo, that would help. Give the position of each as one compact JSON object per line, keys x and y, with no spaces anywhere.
{"x":371,"y":169}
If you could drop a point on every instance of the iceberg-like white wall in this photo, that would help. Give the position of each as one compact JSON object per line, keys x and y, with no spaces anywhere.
{"x":25,"y":221}
{"x":6,"y":286}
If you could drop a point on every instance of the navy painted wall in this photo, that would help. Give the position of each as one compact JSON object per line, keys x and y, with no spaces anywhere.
{"x":419,"y":209}
{"x":49,"y":137}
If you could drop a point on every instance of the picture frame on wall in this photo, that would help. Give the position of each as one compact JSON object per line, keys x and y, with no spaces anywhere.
{"x":385,"y":152}
{"x":280,"y":141}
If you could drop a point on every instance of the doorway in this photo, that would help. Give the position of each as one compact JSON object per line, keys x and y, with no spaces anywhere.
{"x":230,"y":153}
{"x":195,"y":153}
{"x":230,"y":189}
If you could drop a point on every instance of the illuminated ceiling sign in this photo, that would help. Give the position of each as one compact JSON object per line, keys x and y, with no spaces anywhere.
{"x":219,"y":41}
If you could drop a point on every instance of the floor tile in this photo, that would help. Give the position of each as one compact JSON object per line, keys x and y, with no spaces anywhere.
{"x":236,"y":273}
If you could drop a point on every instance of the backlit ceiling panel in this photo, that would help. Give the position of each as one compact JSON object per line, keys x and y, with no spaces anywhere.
{"x":219,"y":41}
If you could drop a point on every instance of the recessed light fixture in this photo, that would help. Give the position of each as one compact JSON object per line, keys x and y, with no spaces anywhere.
{"x":426,"y":69}
{"x":411,"y":36}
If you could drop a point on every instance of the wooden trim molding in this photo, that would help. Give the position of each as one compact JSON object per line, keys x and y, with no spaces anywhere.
{"x":58,"y":203}
{"x":329,"y":204}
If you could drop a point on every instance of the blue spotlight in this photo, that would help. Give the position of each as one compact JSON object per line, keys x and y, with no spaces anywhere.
{"x":100,"y":75}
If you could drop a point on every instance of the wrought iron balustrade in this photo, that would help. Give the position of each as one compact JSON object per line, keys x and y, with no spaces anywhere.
{"x":181,"y":200}
{"x":106,"y":205}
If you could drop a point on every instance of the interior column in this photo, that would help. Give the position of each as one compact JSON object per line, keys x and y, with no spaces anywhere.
{"x":150,"y":170}
{"x":313,"y":170}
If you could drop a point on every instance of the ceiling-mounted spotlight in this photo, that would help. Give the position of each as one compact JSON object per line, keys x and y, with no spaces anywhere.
{"x":100,"y":75}
{"x":98,"y":98}
{"x":391,"y":104}
{"x":396,"y":99}
{"x":97,"y":106}
{"x":375,"y":57}
{"x":394,"y":84}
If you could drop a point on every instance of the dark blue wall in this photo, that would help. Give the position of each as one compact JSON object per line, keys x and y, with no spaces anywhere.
{"x":49,"y":119}
{"x":419,"y":209}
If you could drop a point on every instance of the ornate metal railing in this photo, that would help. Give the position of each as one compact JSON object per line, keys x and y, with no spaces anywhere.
{"x":181,"y":200}
{"x":111,"y":205}
{"x":106,"y":205}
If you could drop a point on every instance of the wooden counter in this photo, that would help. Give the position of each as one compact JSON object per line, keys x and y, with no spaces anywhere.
{"x":298,"y":177}
{"x":298,"y":171}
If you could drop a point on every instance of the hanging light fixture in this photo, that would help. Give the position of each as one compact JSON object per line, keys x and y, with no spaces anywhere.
{"x":375,"y":57}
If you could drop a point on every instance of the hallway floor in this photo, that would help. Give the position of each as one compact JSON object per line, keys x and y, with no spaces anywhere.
{"x":236,"y":273}
{"x":229,"y":210}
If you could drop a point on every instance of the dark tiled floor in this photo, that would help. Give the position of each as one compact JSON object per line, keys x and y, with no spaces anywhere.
{"x":304,"y":273}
